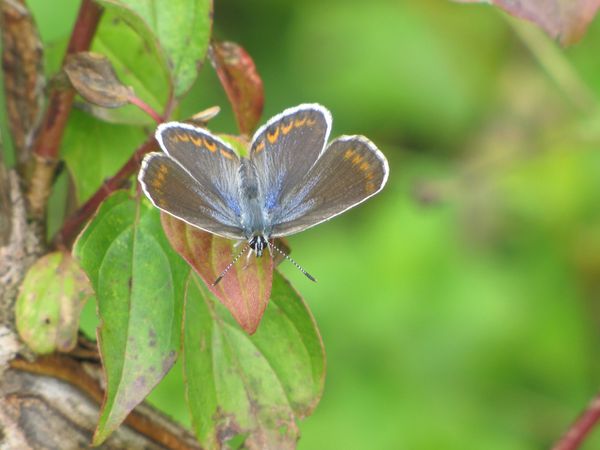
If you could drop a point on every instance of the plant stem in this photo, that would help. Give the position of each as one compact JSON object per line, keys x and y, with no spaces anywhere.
{"x":579,"y":430}
{"x":141,"y":104}
{"x":66,"y":236}
{"x":47,"y":143}
{"x":143,"y":419}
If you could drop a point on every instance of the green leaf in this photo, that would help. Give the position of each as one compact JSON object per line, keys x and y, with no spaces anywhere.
{"x":138,"y":64}
{"x":50,"y":301}
{"x":244,"y":290}
{"x":251,"y":387}
{"x":139,"y":282}
{"x":180,"y":28}
{"x":95,"y":150}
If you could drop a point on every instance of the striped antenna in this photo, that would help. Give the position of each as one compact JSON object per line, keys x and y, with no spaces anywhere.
{"x":286,"y":256}
{"x":244,"y":250}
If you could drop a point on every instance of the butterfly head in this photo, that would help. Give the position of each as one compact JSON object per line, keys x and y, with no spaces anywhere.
{"x":258,"y":244}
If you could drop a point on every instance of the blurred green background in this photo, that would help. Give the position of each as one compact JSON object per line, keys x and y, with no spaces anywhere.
{"x":460,"y":307}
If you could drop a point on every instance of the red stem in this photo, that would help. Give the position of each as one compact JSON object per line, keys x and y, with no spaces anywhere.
{"x":579,"y":430}
{"x":55,"y":119}
{"x":146,"y":108}
{"x":66,"y":236}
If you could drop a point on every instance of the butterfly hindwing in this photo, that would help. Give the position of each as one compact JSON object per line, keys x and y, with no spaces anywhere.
{"x":350,"y":170}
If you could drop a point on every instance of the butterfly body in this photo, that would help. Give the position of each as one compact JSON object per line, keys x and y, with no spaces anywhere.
{"x":253,"y":218}
{"x":290,"y":181}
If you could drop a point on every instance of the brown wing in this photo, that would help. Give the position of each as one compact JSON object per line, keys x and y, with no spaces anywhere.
{"x":285,"y":148}
{"x":350,"y":171}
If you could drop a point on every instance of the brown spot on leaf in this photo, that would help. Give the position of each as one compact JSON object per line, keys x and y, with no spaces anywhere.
{"x":152,"y":338}
{"x":226,"y":425}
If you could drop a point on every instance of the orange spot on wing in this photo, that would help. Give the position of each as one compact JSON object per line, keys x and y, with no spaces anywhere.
{"x":357,"y":160}
{"x":157,"y":183}
{"x":182,"y":137}
{"x":226,"y":154}
{"x":349,"y":154}
{"x":159,"y":180}
{"x":299,"y":122}
{"x":260,"y":147}
{"x":370,"y":187}
{"x":285,"y":129}
{"x":365,"y":166}
{"x":311,"y":121}
{"x":210,"y":145}
{"x":272,"y":137}
{"x":196,"y":141}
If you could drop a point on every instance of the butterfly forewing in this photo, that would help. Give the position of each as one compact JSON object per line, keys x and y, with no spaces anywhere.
{"x":348,"y":172}
{"x":209,"y":160}
{"x":286,"y":147}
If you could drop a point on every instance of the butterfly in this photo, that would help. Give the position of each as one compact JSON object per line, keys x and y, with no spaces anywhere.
{"x":291,"y":180}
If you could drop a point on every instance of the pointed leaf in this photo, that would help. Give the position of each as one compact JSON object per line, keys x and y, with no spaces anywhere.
{"x":566,"y":20}
{"x":54,"y":291}
{"x":93,"y":77}
{"x":180,"y":28}
{"x":95,"y":150}
{"x":251,"y":387}
{"x":241,"y":82}
{"x":246,"y":288}
{"x":139,"y":283}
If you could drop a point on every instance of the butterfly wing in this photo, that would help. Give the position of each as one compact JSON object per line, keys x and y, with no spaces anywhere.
{"x":349,"y":171}
{"x":285,"y":148}
{"x":195,"y":179}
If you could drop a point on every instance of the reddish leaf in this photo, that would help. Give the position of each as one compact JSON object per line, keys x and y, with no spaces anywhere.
{"x":241,"y":82}
{"x":93,"y":77}
{"x":566,"y":20}
{"x":246,"y":288}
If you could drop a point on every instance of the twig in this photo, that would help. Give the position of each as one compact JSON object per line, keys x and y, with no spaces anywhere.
{"x":142,"y":419}
{"x":47,"y":144}
{"x":141,"y":104}
{"x":579,"y":430}
{"x":65,"y":237}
